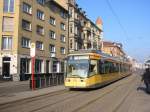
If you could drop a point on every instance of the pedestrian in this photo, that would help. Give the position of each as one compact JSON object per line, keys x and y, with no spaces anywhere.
{"x":146,"y":79}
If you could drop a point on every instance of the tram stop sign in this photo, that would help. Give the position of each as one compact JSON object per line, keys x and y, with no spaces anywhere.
{"x":32,"y":50}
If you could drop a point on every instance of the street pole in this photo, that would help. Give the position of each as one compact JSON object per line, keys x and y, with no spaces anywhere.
{"x":32,"y":54}
{"x":33,"y":81}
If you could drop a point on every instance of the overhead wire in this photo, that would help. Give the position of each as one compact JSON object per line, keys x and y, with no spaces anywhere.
{"x":118,"y":20}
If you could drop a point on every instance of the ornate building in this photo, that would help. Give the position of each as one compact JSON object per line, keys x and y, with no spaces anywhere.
{"x":83,"y":33}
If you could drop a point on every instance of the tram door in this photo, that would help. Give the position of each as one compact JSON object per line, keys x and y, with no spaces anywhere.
{"x":6,"y":67}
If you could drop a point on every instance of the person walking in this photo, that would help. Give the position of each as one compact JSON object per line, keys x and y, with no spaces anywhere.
{"x":146,"y":79}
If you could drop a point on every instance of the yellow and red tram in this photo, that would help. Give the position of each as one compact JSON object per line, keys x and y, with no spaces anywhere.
{"x":92,"y":68}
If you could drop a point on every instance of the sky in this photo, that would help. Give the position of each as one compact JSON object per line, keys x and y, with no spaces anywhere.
{"x":124,"y":21}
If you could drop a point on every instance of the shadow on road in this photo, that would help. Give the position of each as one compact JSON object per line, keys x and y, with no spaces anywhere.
{"x":142,"y":89}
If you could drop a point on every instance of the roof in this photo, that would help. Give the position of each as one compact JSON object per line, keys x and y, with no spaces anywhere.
{"x":109,"y":43}
{"x":113,"y":44}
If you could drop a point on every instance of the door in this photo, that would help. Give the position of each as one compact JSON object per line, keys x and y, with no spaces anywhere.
{"x":6,"y":67}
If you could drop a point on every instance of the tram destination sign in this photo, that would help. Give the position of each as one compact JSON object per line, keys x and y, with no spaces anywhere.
{"x":78,"y":57}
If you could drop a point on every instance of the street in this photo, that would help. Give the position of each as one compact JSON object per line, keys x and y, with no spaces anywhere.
{"x":121,"y":96}
{"x":49,"y":47}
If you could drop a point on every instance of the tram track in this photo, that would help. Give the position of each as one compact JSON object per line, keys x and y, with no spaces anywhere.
{"x":65,"y":101}
{"x":101,"y":96}
{"x":62,"y":100}
{"x":31,"y":99}
{"x":65,"y":104}
{"x":129,"y":93}
{"x":49,"y":98}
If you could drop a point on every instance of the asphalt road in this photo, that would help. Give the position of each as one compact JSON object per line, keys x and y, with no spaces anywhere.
{"x":121,"y":96}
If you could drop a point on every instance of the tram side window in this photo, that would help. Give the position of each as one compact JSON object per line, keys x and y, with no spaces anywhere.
{"x":93,"y":67}
{"x":112,"y":67}
{"x":101,"y":67}
{"x":117,"y":67}
{"x":120,"y":67}
{"x":104,"y":67}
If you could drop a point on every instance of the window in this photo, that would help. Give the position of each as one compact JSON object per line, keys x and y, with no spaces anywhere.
{"x":62,"y":67}
{"x":84,"y":36}
{"x":55,"y":66}
{"x":8,"y":24}
{"x":42,"y":2}
{"x":71,"y":13}
{"x":71,"y":28}
{"x":52,"y":21}
{"x":62,"y":50}
{"x":6,"y":43}
{"x":52,"y":34}
{"x":8,"y":6}
{"x":24,"y":65}
{"x":76,"y":45}
{"x":71,"y":44}
{"x":26,"y":25}
{"x":40,"y":30}
{"x":76,"y":30}
{"x":39,"y":45}
{"x":93,"y":67}
{"x":25,"y":42}
{"x":63,"y":14}
{"x":52,"y":48}
{"x":40,"y":15}
{"x":38,"y":66}
{"x":108,"y":67}
{"x":27,"y":8}
{"x":47,"y":66}
{"x":62,"y":38}
{"x":62,"y":26}
{"x":76,"y":16}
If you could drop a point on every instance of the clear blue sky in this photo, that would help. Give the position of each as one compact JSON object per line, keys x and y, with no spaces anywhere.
{"x":134,"y":16}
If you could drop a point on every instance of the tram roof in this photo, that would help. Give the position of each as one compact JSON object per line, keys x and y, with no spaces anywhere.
{"x":85,"y":51}
{"x":104,"y":55}
{"x":82,"y":52}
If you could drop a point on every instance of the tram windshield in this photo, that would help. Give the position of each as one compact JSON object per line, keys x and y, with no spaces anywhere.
{"x":78,"y":68}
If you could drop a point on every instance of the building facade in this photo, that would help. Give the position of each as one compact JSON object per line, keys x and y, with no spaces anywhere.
{"x":113,"y":49}
{"x":22,"y":22}
{"x":83,"y":33}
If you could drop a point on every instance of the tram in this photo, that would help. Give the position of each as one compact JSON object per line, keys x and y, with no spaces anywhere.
{"x":92,"y":69}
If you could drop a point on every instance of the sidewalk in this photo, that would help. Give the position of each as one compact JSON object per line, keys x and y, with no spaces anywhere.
{"x":13,"y":91}
{"x":13,"y":83}
{"x":8,"y":88}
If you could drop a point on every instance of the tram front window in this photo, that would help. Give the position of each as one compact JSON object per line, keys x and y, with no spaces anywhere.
{"x":77,"y":68}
